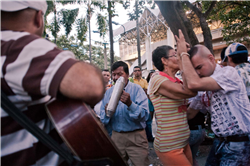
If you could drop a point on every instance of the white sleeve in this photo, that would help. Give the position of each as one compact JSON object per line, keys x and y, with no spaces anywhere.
{"x":228,"y":79}
{"x":196,"y":102}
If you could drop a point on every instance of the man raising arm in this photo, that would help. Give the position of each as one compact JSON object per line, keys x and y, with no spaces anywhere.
{"x":228,"y":101}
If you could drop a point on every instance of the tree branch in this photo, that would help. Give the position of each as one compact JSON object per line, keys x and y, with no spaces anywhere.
{"x":239,"y":4}
{"x":213,"y":3}
{"x":194,"y":8}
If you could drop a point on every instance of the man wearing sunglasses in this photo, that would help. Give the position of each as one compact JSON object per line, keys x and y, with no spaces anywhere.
{"x":138,"y":78}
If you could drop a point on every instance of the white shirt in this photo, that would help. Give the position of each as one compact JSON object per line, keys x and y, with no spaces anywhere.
{"x":230,"y":107}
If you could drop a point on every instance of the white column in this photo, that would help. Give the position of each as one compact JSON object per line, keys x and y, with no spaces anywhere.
{"x":170,"y":38}
{"x":148,"y":52}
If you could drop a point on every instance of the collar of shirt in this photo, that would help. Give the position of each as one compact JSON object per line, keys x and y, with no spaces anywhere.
{"x":170,"y":78}
{"x":128,"y":85}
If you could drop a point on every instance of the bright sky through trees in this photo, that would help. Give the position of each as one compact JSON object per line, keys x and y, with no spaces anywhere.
{"x":121,"y":19}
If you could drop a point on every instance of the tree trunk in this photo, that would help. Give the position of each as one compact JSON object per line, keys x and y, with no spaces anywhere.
{"x":89,"y":16}
{"x":192,"y":36}
{"x":175,"y":16}
{"x":105,"y":56}
{"x":206,"y":33}
{"x":138,"y":35}
{"x":55,"y":24}
{"x":111,"y":35}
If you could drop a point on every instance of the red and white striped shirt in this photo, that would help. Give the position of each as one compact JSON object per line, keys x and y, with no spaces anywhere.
{"x":32,"y":69}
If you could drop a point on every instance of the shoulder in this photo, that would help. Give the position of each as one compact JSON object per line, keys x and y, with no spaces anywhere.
{"x":135,"y":89}
{"x":28,"y":44}
{"x":226,"y":71}
{"x":158,"y":78}
{"x":243,"y":66}
{"x":22,"y":37}
{"x":14,"y":41}
{"x":134,"y":85}
{"x":109,"y":90}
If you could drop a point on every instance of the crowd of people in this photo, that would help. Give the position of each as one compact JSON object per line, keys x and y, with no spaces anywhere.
{"x":34,"y":71}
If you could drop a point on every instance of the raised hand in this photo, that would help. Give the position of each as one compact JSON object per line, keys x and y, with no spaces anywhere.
{"x":182,"y":45}
{"x":125,"y":98}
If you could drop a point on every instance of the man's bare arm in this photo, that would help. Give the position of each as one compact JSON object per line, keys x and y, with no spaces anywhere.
{"x":83,"y":81}
{"x":194,"y":82}
{"x":175,"y":91}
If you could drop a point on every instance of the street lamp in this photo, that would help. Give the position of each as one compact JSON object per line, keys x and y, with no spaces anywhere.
{"x":116,"y":23}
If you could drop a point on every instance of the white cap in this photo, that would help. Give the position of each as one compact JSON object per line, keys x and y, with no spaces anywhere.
{"x":12,"y":6}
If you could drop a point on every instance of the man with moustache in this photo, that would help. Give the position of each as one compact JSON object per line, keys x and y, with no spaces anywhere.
{"x":129,"y":121}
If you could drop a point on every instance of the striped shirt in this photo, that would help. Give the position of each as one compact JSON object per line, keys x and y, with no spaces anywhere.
{"x":32,"y":69}
{"x":172,"y":127}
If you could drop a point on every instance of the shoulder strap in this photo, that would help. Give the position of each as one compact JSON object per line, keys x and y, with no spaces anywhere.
{"x":24,"y":121}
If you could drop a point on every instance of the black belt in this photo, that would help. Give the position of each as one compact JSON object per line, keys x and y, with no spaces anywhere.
{"x":196,"y":127}
{"x":234,"y":138}
{"x":130,"y":131}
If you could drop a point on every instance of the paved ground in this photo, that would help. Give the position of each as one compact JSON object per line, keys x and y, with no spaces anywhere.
{"x":201,"y":158}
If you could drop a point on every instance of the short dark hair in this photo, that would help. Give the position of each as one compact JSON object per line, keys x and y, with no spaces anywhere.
{"x":148,"y":77}
{"x":105,"y":70}
{"x":158,"y":53}
{"x":240,"y":57}
{"x":119,"y":64}
{"x":193,"y":51}
{"x":137,"y":67}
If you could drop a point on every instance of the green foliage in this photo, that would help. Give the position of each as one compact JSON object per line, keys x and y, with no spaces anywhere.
{"x":50,"y":9}
{"x":65,"y":2}
{"x":54,"y":27}
{"x":235,"y":17}
{"x":102,"y":24}
{"x":68,"y":18}
{"x":82,"y":51}
{"x":98,"y":57}
{"x":64,"y":42}
{"x":141,"y":7}
{"x":81,"y":29}
{"x":101,"y":20}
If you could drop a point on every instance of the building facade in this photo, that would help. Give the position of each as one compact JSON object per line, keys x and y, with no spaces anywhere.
{"x":155,"y":32}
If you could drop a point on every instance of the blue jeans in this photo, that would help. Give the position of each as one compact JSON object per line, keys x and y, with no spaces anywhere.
{"x":224,"y":153}
{"x":195,"y":139}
